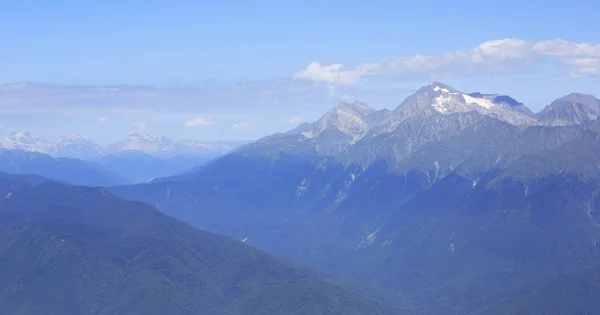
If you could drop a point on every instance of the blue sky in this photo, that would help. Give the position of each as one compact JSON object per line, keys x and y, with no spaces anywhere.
{"x":242,"y":67}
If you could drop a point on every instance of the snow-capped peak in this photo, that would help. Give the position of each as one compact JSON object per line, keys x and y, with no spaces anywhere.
{"x":438,"y":98}
{"x":22,"y":135}
{"x":78,"y":146}
{"x":23,"y":140}
{"x":141,"y":141}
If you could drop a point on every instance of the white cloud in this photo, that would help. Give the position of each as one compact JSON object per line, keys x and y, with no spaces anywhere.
{"x":140,"y":125}
{"x":294,"y":121}
{"x":585,"y":62}
{"x":560,"y":47}
{"x":245,"y":98}
{"x":200,"y":122}
{"x":102,"y":119}
{"x":240,"y":126}
{"x":502,"y":56}
{"x":333,"y":91}
{"x":330,"y":73}
{"x":585,"y":72}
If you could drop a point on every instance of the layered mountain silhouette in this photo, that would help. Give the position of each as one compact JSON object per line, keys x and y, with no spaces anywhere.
{"x":452,"y":199}
{"x":82,"y":147}
{"x":67,"y":170}
{"x":78,"y":250}
{"x":139,"y":158}
{"x":140,"y":167}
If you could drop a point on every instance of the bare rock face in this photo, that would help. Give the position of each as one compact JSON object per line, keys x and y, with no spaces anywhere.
{"x":572,"y":109}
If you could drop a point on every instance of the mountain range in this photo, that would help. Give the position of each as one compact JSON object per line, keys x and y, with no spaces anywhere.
{"x":66,"y":170}
{"x":453,"y":201}
{"x":347,"y":124}
{"x":81,"y":147}
{"x":79,"y":250}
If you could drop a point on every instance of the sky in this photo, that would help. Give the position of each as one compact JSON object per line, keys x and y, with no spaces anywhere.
{"x":240,"y":70}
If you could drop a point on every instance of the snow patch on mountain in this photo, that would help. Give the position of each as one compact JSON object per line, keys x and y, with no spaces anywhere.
{"x":437,"y":88}
{"x":441,"y":103}
{"x":446,"y":100}
{"x":485,"y":103}
{"x":369,"y":239}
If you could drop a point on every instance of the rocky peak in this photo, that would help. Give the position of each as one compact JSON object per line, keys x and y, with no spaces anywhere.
{"x":24,"y":140}
{"x":438,"y":98}
{"x":351,"y":119}
{"x":574,"y":108}
{"x":432,"y":99}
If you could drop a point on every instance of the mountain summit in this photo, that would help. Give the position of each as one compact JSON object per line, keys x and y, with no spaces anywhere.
{"x":23,"y":140}
{"x":438,"y":98}
{"x":143,"y":142}
{"x":350,"y":119}
{"x":574,"y":108}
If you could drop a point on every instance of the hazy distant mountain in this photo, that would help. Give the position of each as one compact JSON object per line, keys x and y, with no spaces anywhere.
{"x":143,"y":142}
{"x":164,"y":146}
{"x":140,"y":167}
{"x":68,"y":170}
{"x":77,"y":146}
{"x":451,"y":199}
{"x":82,"y":147}
{"x":76,"y":250}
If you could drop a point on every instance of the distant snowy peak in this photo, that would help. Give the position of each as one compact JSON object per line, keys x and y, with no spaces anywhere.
{"x":83,"y":147}
{"x":165,"y":146}
{"x":72,"y":145}
{"x":143,"y":142}
{"x":76,"y":146}
{"x":23,"y":137}
{"x":23,"y":140}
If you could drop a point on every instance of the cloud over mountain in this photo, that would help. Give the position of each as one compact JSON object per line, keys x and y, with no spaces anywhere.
{"x":200,"y":121}
{"x":504,"y":56}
